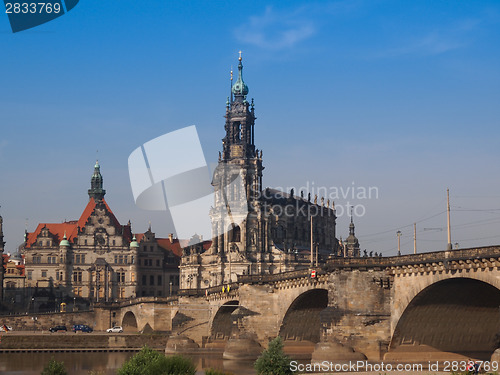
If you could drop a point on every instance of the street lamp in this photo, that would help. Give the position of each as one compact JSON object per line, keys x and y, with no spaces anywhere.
{"x":398,"y":233}
{"x":170,"y":289}
{"x":74,"y":302}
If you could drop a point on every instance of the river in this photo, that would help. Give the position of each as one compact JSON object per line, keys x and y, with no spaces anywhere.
{"x":104,"y":363}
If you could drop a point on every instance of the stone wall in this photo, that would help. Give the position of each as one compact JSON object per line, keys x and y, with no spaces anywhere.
{"x":81,"y":340}
{"x":358,"y":312}
{"x":46,"y":320}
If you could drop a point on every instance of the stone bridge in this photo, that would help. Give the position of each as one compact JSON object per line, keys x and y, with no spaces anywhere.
{"x":427,"y":306}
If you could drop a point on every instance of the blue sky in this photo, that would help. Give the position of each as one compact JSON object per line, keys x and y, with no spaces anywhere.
{"x":389,"y":94}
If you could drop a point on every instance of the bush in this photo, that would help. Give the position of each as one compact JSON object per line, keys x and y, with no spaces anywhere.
{"x":54,"y":368}
{"x":150,"y":362}
{"x":273,"y":360}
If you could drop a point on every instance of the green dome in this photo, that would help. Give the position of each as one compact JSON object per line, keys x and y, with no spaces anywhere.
{"x":240,"y":88}
{"x":134,"y":243}
{"x":64,"y":241}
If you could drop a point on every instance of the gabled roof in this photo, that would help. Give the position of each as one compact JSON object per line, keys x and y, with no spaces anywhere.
{"x":71,"y":227}
{"x":56,"y":229}
{"x":174,"y":246}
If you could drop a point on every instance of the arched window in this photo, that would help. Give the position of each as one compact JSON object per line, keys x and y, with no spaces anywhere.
{"x":235,"y":233}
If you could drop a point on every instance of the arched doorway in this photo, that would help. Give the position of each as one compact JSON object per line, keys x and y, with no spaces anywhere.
{"x":129,"y":322}
{"x":222,"y":324}
{"x":302,"y":319}
{"x":459,"y":315}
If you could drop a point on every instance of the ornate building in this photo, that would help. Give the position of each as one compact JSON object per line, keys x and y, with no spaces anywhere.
{"x":97,"y":258}
{"x":2,"y":248}
{"x":273,"y":233}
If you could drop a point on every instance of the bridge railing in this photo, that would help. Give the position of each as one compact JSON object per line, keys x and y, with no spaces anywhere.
{"x":362,"y":262}
{"x":211,"y":290}
{"x":431,"y":257}
{"x":135,"y":301}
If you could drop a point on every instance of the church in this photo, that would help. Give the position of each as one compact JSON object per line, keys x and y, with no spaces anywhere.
{"x":279,"y":231}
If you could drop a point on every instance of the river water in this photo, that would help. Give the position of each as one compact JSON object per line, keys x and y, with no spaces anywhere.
{"x":104,"y":363}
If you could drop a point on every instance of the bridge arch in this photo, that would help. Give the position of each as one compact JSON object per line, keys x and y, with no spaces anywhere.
{"x":222,"y":324}
{"x":408,"y":286}
{"x":302,"y":319}
{"x":458,"y":315}
{"x":129,"y":322}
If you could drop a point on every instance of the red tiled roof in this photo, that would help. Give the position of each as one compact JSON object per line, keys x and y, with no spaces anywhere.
{"x":71,"y":227}
{"x":165,"y":243}
{"x":56,"y":229}
{"x":174,"y":247}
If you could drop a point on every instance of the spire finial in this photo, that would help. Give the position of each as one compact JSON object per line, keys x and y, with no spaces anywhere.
{"x":239,"y":58}
{"x":240,"y":89}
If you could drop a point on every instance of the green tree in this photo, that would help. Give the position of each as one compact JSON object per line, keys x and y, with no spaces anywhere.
{"x":273,"y":361}
{"x":150,"y":362}
{"x":54,"y":368}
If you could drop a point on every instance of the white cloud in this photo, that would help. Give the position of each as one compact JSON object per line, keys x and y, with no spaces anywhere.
{"x":276,"y":30}
{"x":437,"y":41}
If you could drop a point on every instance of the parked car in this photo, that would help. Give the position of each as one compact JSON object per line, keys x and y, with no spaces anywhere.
{"x":58,"y":328}
{"x":115,"y":329}
{"x":82,"y":327}
{"x":4,"y":328}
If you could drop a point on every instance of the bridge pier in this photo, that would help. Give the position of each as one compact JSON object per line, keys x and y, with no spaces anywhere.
{"x":357,"y":316}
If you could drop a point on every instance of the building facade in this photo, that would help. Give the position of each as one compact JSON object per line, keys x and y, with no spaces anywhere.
{"x":98,"y":259}
{"x":14,"y":281}
{"x":2,"y":248}
{"x":276,"y":232}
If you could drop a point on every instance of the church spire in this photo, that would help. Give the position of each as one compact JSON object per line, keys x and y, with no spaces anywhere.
{"x":352,"y":241}
{"x":239,"y":142}
{"x":351,"y":225}
{"x":240,"y":89}
{"x":96,"y":191}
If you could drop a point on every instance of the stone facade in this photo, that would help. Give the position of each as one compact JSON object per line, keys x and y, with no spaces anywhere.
{"x":98,"y":259}
{"x":256,"y":231}
{"x":14,"y":288}
{"x":2,"y":247}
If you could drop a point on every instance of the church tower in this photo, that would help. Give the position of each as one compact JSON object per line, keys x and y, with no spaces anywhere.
{"x":254,"y":231}
{"x":237,"y":207}
{"x":96,"y":191}
{"x":352,"y":243}
{"x":239,"y":143}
